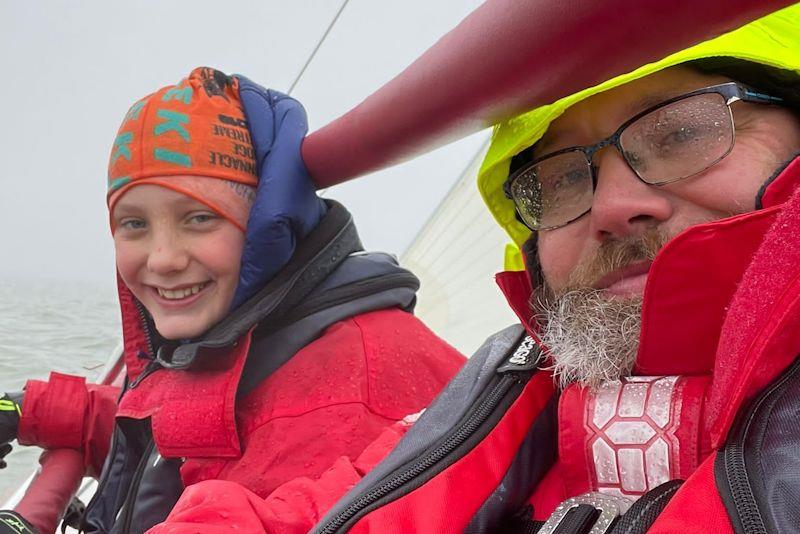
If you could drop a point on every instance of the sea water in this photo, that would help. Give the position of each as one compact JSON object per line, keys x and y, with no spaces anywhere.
{"x":70,"y":327}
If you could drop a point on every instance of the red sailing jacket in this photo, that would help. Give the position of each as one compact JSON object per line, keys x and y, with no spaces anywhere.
{"x":721,"y":327}
{"x":376,"y":368}
{"x":322,"y":407}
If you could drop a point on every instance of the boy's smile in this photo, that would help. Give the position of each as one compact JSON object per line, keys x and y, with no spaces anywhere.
{"x":179,"y":258}
{"x":179,"y":296}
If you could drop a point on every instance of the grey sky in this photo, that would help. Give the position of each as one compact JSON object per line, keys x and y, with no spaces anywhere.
{"x":73,"y":68}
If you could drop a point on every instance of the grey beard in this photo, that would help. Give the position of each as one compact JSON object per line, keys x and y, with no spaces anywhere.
{"x":591,"y":339}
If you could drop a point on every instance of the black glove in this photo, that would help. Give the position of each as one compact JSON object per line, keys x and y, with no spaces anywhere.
{"x":10,"y":411}
{"x":13,"y":523}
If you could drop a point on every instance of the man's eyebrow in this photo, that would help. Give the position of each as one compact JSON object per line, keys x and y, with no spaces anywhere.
{"x":633,"y":108}
{"x":542,"y":146}
{"x":649,"y":101}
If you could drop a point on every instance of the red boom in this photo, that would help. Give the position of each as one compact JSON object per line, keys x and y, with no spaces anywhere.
{"x":506,"y":57}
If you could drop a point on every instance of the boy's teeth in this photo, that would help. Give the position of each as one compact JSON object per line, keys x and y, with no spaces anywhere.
{"x":180,"y":293}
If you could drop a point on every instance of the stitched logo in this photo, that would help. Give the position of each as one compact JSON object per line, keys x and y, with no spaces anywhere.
{"x":524,"y":358}
{"x":521,"y":356}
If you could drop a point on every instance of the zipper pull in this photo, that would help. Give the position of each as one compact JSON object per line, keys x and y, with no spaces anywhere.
{"x":150,"y":369}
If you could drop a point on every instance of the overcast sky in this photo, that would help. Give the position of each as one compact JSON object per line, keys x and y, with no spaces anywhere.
{"x":72,"y":69}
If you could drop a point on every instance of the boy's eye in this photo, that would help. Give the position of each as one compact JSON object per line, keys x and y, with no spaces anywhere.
{"x":204,"y":217}
{"x":132,"y":224}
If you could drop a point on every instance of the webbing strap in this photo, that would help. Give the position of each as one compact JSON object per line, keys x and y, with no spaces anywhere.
{"x":582,"y":517}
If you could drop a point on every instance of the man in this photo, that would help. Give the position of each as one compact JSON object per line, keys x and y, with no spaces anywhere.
{"x":652,"y":387}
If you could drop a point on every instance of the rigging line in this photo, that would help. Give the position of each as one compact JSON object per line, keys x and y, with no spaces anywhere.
{"x":321,"y":192}
{"x":316,"y":48}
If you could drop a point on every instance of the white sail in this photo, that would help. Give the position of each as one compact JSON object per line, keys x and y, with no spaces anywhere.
{"x":456,"y":255}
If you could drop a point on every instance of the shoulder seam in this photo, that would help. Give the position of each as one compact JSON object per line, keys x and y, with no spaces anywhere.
{"x":366,"y":357}
{"x":333,"y":405}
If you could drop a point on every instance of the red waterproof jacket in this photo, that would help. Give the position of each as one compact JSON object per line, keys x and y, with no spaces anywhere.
{"x":713,"y":402}
{"x":276,"y":407}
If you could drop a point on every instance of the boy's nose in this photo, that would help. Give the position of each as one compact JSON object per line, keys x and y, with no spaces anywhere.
{"x":167,"y":255}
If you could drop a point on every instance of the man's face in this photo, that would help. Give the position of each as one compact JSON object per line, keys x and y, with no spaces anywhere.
{"x":625,"y":210}
{"x":178,"y":257}
{"x":596,"y":267}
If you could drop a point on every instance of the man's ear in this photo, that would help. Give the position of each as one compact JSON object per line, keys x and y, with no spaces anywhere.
{"x":530,"y":255}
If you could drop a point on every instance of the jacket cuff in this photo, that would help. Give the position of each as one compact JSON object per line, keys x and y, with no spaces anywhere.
{"x":53,"y":412}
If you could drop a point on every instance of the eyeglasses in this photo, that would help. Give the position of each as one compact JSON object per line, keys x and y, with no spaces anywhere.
{"x":671,"y":141}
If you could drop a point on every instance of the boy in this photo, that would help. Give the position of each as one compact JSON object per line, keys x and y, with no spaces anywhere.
{"x":259,"y":347}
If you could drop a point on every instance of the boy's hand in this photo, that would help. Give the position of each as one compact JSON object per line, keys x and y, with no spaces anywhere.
{"x":286,"y":207}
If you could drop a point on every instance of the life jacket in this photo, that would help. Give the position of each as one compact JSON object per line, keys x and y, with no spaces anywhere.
{"x":176,"y":419}
{"x":720,"y":337}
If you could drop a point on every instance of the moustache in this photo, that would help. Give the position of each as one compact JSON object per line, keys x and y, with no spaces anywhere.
{"x":615,"y":254}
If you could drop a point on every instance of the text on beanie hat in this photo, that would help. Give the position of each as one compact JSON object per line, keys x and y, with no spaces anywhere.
{"x":190,"y":137}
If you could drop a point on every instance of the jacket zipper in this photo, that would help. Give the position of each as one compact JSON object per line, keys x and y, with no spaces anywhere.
{"x":735,"y":465}
{"x":457,"y":437}
{"x":130,"y":498}
{"x":103,"y":481}
{"x":152,"y":365}
{"x":146,"y":328}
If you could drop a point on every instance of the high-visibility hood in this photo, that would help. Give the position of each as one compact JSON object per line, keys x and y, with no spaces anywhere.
{"x":773,"y":40}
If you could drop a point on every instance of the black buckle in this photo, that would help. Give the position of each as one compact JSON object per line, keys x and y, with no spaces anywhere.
{"x":609,"y":506}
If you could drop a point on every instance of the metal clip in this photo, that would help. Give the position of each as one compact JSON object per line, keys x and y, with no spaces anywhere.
{"x":610,"y":507}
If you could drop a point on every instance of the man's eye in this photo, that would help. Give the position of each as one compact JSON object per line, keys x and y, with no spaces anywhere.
{"x":680,"y":136}
{"x":569,"y":179}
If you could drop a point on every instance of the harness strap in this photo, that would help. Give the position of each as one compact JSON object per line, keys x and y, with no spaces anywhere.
{"x":597,"y":513}
{"x":644,"y":512}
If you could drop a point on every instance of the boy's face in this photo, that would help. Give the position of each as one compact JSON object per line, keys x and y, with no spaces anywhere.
{"x":178,"y":257}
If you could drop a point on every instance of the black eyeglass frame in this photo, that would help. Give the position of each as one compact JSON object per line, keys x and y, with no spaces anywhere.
{"x":730,"y":91}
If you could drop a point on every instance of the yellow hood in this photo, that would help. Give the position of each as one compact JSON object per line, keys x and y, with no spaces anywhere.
{"x":773,"y":40}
